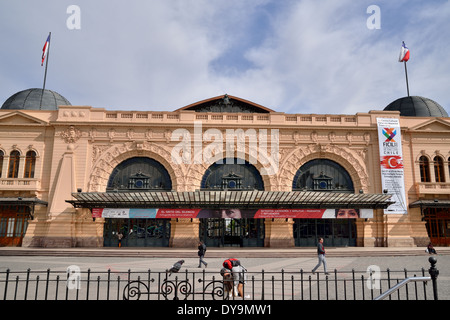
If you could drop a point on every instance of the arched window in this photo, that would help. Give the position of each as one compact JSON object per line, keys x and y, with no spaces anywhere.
{"x":232,"y":173}
{"x":139,"y":173}
{"x":14,"y":160}
{"x":424,"y":169}
{"x":2,"y":154}
{"x":439,"y":169}
{"x":322,"y":175}
{"x":30,"y":164}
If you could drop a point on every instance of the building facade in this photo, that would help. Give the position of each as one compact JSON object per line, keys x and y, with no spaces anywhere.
{"x":79,"y":176}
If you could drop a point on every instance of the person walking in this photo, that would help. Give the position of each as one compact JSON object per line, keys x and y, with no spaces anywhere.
{"x":201,"y":254}
{"x":321,"y":256}
{"x":119,"y":237}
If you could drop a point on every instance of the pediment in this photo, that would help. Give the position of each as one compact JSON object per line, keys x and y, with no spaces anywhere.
{"x":434,"y":125}
{"x":20,"y":118}
{"x":226,"y":104}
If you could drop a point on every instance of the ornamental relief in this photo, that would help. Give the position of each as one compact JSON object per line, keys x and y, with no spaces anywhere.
{"x":118,"y":135}
{"x":324,"y":137}
{"x":71,"y":134}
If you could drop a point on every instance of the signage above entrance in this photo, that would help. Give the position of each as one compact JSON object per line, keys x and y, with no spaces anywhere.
{"x":151,"y":213}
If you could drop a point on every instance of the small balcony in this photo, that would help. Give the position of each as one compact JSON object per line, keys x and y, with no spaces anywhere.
{"x":19,"y":184}
{"x":423,"y":188}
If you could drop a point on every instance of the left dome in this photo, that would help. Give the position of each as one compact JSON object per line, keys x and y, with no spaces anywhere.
{"x":30,"y":99}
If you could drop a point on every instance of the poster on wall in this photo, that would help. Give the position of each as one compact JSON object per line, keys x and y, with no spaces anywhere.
{"x":232,"y":213}
{"x":391,"y":163}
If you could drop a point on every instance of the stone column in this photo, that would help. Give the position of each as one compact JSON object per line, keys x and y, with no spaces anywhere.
{"x":184,"y":233}
{"x":279,"y":233}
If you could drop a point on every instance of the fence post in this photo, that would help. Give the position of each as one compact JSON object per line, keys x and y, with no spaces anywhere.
{"x":6,"y":284}
{"x":434,"y":272}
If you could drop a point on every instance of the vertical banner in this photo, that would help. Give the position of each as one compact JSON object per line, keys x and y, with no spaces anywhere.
{"x":391,"y":162}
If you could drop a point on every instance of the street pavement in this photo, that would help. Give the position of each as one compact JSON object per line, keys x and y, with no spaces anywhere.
{"x":255,"y":260}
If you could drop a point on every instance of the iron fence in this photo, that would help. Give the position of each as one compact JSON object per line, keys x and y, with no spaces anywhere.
{"x":74,"y":284}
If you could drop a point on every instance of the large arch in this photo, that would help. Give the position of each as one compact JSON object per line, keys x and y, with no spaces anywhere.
{"x":112,"y":157}
{"x":139,"y":173}
{"x":322,"y":175}
{"x":266,"y":164}
{"x":232,"y":174}
{"x":351,"y":161}
{"x":327,"y":169}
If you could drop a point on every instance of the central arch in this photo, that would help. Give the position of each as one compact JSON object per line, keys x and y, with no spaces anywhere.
{"x":232,"y":174}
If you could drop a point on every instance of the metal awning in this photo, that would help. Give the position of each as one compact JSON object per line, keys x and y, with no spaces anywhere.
{"x":430,"y":204}
{"x":19,"y":201}
{"x":230,"y":199}
{"x":22,"y":201}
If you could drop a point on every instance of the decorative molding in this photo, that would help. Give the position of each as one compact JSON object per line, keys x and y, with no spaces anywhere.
{"x":71,"y":135}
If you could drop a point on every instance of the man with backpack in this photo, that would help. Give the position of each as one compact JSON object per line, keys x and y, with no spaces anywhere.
{"x":234,"y":273}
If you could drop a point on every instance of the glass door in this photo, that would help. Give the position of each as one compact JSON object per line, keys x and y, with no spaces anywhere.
{"x":137,"y":232}
{"x":335,"y":232}
{"x":220,"y":232}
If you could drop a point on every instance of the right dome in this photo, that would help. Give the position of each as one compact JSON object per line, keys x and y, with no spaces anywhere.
{"x":415,"y":106}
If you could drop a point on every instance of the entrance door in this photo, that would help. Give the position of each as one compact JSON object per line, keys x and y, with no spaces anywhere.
{"x":335,"y":232}
{"x":233,"y":232}
{"x":13,"y":225}
{"x":137,"y":232}
{"x":219,"y":232}
{"x":438,"y":225}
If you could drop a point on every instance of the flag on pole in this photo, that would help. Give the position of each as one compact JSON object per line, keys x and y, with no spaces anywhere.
{"x":404,"y":53}
{"x":45,"y":49}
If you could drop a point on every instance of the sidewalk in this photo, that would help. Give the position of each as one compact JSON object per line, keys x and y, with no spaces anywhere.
{"x":220,"y":252}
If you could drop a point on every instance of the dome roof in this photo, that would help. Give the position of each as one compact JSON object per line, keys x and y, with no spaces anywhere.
{"x":30,"y":99}
{"x":414,"y":106}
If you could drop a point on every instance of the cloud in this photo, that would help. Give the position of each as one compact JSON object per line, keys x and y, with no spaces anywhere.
{"x":291,"y":56}
{"x":322,"y":58}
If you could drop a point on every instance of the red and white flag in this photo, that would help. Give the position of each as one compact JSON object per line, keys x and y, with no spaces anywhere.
{"x":404,"y":53}
{"x":45,"y":50}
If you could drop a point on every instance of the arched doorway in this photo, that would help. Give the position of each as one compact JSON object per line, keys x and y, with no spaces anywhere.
{"x":138,"y":174}
{"x":329,"y":176}
{"x":236,"y":175}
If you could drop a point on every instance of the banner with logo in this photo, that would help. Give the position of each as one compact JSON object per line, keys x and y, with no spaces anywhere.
{"x":391,"y":163}
{"x":231,"y":213}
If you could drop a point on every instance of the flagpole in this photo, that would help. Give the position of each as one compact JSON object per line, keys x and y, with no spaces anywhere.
{"x":406,"y":74}
{"x":46,"y":65}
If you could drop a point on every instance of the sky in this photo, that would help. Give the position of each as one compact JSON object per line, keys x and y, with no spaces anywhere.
{"x":292,"y":56}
